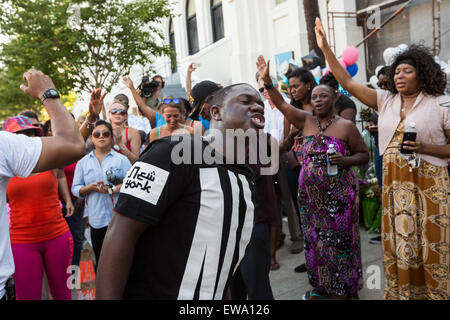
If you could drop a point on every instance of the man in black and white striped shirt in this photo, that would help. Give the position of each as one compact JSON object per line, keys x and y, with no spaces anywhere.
{"x":181,"y":229}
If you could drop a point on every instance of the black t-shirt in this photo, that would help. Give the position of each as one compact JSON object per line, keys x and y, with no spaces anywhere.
{"x":343,"y":103}
{"x":201,"y":218}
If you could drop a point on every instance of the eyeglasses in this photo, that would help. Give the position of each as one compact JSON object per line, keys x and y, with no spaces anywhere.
{"x":261,"y":89}
{"x":98,"y":134}
{"x":167,"y":100}
{"x":119,"y":111}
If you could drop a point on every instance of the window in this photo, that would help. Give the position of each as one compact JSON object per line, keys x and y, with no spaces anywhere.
{"x":192,"y":27}
{"x":172,"y":45}
{"x":217,"y":19}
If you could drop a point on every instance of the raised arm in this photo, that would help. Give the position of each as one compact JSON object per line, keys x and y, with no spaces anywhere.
{"x":96,"y":106}
{"x":66,"y":146}
{"x":148,"y":112}
{"x":364,"y":94}
{"x":189,"y":81}
{"x":295,"y":116}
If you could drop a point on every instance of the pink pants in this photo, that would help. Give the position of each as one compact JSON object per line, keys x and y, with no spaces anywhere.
{"x":55,"y":256}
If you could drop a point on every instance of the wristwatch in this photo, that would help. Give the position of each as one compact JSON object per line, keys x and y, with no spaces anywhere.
{"x":90,"y":125}
{"x":50,"y":94}
{"x":269,"y":86}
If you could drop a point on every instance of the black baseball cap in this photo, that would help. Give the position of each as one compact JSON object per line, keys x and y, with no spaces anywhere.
{"x":199,"y":93}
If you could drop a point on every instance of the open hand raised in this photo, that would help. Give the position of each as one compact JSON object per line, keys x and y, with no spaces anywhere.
{"x":263,"y":69}
{"x":128,"y":82}
{"x":96,"y":102}
{"x":321,"y":36}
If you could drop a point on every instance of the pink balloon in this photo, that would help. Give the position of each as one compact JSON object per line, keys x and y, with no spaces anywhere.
{"x":343,"y":64}
{"x":350,"y":55}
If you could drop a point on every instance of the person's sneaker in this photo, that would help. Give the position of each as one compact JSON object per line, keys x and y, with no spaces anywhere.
{"x":376,"y":240}
{"x":296,"y":247}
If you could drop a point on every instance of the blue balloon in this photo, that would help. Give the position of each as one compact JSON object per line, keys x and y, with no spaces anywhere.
{"x":352,"y":70}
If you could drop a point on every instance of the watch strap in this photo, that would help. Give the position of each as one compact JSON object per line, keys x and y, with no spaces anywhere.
{"x":50,"y":93}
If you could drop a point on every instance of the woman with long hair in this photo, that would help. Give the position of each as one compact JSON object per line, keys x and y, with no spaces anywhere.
{"x":127,"y":140}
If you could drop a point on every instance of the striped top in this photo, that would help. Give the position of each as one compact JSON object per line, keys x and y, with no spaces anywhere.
{"x":200,"y":216}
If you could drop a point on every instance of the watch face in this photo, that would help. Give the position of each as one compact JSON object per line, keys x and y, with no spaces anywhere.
{"x":53,"y":92}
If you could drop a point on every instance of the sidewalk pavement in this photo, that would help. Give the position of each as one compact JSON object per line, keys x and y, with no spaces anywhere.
{"x":288,"y":285}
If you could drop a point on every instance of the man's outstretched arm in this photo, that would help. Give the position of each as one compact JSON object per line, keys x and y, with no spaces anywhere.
{"x":66,"y":146}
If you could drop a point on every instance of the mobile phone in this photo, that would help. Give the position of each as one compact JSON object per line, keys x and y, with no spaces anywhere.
{"x":408,"y":136}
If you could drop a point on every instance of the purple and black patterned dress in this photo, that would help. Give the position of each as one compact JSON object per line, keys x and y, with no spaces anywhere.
{"x":330,"y":220}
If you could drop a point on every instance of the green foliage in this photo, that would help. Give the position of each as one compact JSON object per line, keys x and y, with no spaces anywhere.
{"x":79,"y":44}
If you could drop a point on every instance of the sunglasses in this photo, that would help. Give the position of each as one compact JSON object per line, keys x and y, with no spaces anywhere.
{"x":119,"y":111}
{"x":167,"y":100}
{"x":261,"y":90}
{"x":98,"y":134}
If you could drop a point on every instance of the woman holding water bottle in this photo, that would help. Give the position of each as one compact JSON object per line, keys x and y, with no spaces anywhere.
{"x":416,"y":205}
{"x":329,"y":191}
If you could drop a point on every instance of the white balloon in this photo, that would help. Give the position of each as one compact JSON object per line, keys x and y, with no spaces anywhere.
{"x":378,"y":69}
{"x":447,"y":72}
{"x":374,"y":82}
{"x":389,"y":55}
{"x":317,"y":72}
{"x":403,"y":47}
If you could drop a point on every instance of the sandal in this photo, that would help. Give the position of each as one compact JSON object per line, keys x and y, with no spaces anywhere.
{"x":313,"y":295}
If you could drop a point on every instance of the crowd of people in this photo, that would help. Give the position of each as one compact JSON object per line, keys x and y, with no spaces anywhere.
{"x":211,"y":229}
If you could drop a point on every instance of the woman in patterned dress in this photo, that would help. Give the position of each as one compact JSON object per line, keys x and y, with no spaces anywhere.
{"x":330,"y":211}
{"x":416,"y":212}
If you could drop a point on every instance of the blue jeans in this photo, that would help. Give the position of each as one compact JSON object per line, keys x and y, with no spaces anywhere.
{"x":75,"y":223}
{"x":378,"y":166}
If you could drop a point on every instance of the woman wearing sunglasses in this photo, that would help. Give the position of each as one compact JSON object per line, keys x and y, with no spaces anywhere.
{"x":174,"y":114}
{"x":127,"y":140}
{"x":97,"y":179}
